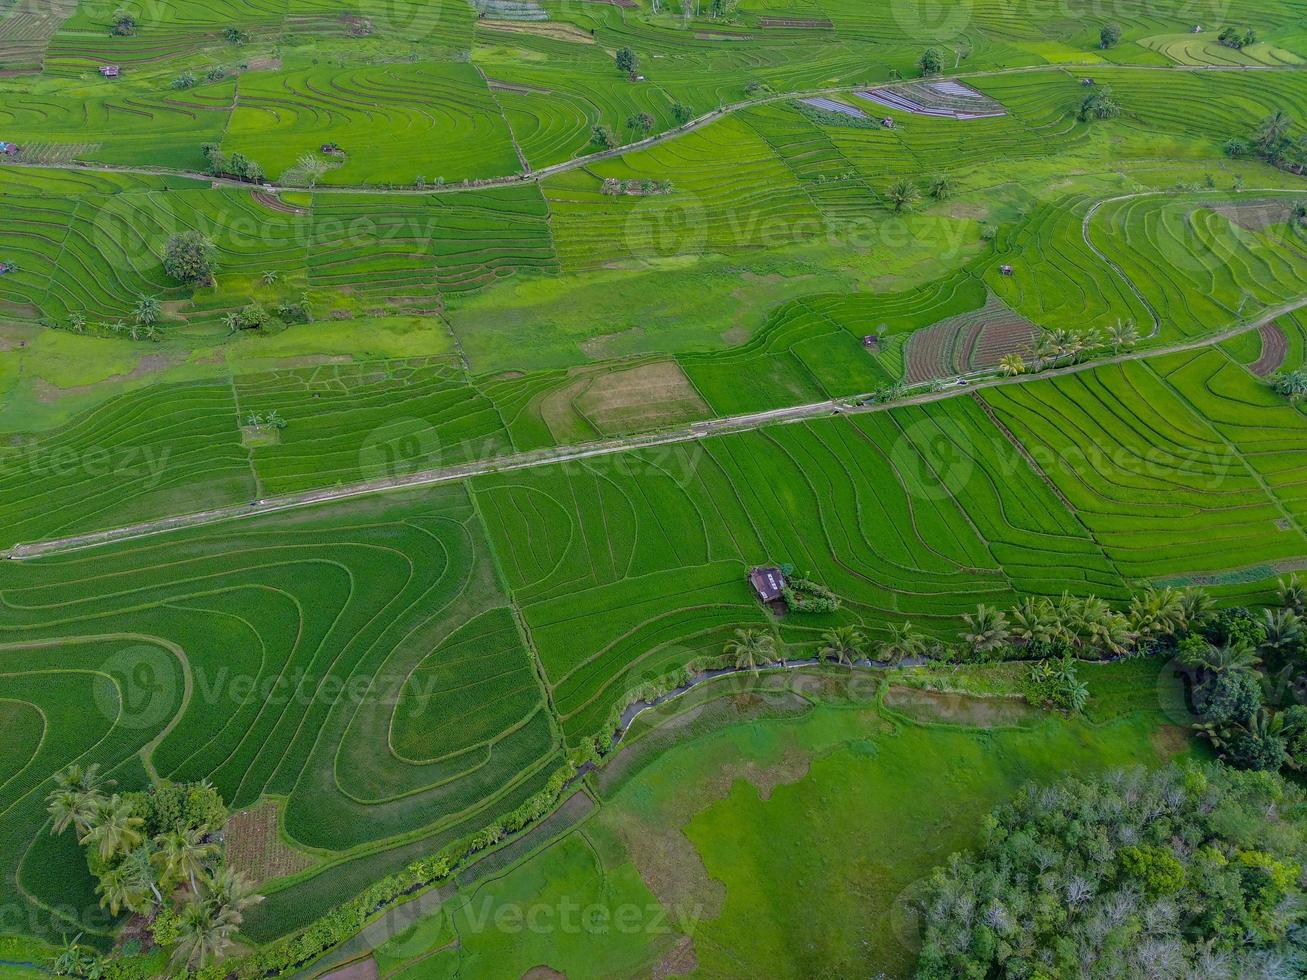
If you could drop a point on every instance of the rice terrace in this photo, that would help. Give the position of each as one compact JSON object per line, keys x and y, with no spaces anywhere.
{"x":612,"y":488}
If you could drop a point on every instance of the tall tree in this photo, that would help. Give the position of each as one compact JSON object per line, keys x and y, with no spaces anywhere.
{"x":750,"y":648}
{"x":114,"y":829}
{"x":844,"y":644}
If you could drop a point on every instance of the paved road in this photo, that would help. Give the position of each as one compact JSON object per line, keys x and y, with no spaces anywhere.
{"x":583,"y":451}
{"x":584,"y":161}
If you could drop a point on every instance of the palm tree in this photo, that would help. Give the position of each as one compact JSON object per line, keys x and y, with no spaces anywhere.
{"x":1123,"y":333}
{"x":77,"y":322}
{"x":184,"y":854}
{"x":147,"y":310}
{"x":1272,"y":133}
{"x":1227,"y":658}
{"x":231,"y":894}
{"x":1158,"y":612}
{"x":232,"y":321}
{"x":903,"y":194}
{"x":70,"y":809}
{"x":1197,"y":607}
{"x":76,"y":797}
{"x":844,"y":644}
{"x":986,"y":628}
{"x":119,"y":888}
{"x":1033,"y":622}
{"x":1293,"y":595}
{"x":751,"y":648}
{"x":1077,"y":695}
{"x":114,"y":829}
{"x":1283,"y":628}
{"x":1044,"y":350}
{"x":941,"y":186}
{"x":72,"y":960}
{"x":269,"y":277}
{"x":1291,"y":384}
{"x":1012,"y":364}
{"x":202,"y":935}
{"x":904,"y":643}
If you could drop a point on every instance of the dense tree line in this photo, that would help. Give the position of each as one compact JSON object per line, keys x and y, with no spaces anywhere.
{"x":1174,"y":873}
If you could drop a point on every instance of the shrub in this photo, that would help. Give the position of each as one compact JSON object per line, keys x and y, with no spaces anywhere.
{"x":124,"y":24}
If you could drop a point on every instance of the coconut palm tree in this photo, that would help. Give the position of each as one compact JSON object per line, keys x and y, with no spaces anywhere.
{"x":73,"y":960}
{"x":1044,"y":351}
{"x":114,"y":829}
{"x":147,"y":310}
{"x":1226,"y":658}
{"x":77,"y":794}
{"x":1197,"y":607}
{"x":1284,"y":630}
{"x":120,"y":888}
{"x":269,"y":277}
{"x":986,"y":630}
{"x":1033,"y":622}
{"x":902,"y":195}
{"x":1123,"y":333}
{"x":1077,"y":695}
{"x":184,"y":855}
{"x":844,"y":644}
{"x":77,"y":322}
{"x":1157,"y":612}
{"x":1011,"y":365}
{"x":202,"y":935}
{"x":231,"y":894}
{"x":904,"y":643}
{"x":1293,"y":595}
{"x":750,"y":648}
{"x":941,"y":186}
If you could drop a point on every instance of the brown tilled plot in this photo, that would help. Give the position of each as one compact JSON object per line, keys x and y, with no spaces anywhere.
{"x":256,"y":849}
{"x":1274,"y":348}
{"x":972,"y":341}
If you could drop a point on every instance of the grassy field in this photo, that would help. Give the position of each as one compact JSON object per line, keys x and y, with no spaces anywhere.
{"x":704,"y":841}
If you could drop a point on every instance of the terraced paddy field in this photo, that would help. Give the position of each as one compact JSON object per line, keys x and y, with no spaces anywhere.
{"x":508,"y":364}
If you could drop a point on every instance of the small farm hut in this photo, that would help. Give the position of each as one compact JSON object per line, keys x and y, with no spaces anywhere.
{"x":768,"y":583}
{"x":109,"y":71}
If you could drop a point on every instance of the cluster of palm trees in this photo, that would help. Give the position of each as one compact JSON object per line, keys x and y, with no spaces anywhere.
{"x":1058,"y":347}
{"x":1082,"y":626}
{"x":137,"y":873}
{"x":1291,"y":384}
{"x":143,"y":326}
{"x":904,"y":193}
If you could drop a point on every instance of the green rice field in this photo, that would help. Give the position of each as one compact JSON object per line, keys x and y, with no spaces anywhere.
{"x":501,"y":360}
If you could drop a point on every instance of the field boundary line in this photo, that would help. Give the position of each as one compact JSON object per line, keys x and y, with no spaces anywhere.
{"x":578,"y":453}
